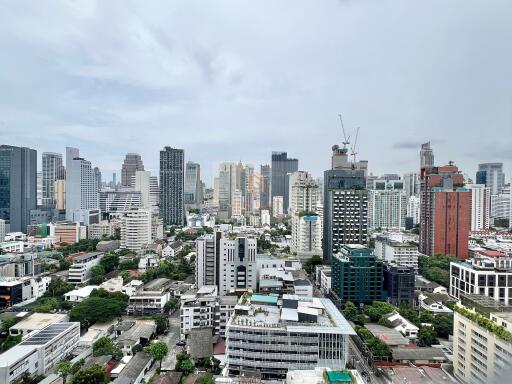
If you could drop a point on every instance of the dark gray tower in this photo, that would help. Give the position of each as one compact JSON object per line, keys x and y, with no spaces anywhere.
{"x":18,"y":186}
{"x":282,"y":166}
{"x":132,"y":163}
{"x":172,"y":174}
{"x":266,"y":174}
{"x":53,"y":169}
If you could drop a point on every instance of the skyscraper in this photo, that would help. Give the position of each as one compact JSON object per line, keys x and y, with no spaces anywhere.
{"x":426,"y":156}
{"x":345,"y":203}
{"x":412,"y":184}
{"x":282,"y":166}
{"x":193,"y":190}
{"x":18,"y":186}
{"x":306,"y":223}
{"x":227,"y":186}
{"x":387,"y":205}
{"x":52,"y":169}
{"x":445,"y":216}
{"x":480,"y":200}
{"x":132,"y":163}
{"x":491,"y":174}
{"x":266,"y":174}
{"x":172,"y":174}
{"x":82,"y":193}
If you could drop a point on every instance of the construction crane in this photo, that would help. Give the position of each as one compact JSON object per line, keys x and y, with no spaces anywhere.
{"x":346,"y":140}
{"x":353,"y":149}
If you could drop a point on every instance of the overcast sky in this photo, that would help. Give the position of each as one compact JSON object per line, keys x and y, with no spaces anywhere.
{"x":235,"y":80}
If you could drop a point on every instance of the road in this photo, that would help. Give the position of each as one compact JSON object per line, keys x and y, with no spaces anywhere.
{"x":360,"y":363}
{"x":172,"y":337}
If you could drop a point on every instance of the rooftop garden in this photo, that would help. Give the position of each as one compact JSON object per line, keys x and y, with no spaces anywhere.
{"x":486,"y":323}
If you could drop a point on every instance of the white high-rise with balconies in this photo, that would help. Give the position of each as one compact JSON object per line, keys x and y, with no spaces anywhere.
{"x":306,"y":223}
{"x":480,"y":199}
{"x":135,"y":229}
{"x":237,"y":265}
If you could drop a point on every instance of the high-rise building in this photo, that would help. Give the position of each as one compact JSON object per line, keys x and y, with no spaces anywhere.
{"x":445,"y":212}
{"x":501,"y":208}
{"x":357,"y":275}
{"x":399,"y":282}
{"x":277,"y":206}
{"x":53,"y":169}
{"x":154,"y":194}
{"x":491,"y":174}
{"x":237,"y":204}
{"x":414,"y":209}
{"x":412,"y":184}
{"x":142,"y":184}
{"x":345,"y":203}
{"x":81,"y":186}
{"x":306,"y":223}
{"x":282,"y":166}
{"x":18,"y":186}
{"x":59,"y":194}
{"x":482,"y":345}
{"x":97,"y":176}
{"x":480,"y":200}
{"x":387,"y":205}
{"x":266,"y":174}
{"x":227,"y":185}
{"x":426,"y":156}
{"x":39,"y":188}
{"x":193,"y":191}
{"x":237,"y":267}
{"x":2,"y":230}
{"x":172,"y":169}
{"x":207,"y":259}
{"x":132,"y":163}
{"x":135,"y":229}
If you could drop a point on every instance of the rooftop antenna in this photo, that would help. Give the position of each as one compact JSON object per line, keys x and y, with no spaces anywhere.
{"x":346,"y":140}
{"x":353,"y":149}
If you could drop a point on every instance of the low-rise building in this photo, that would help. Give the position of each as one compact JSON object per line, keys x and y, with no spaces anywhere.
{"x":397,"y":252}
{"x":268,"y":336}
{"x":21,"y":291}
{"x":399,"y":283}
{"x":402,"y":325}
{"x":39,"y":352}
{"x":80,"y":270}
{"x":151,"y":299}
{"x":135,"y":370}
{"x":12,"y":246}
{"x":140,"y":333}
{"x":36,"y":322}
{"x":68,"y":231}
{"x":80,"y":294}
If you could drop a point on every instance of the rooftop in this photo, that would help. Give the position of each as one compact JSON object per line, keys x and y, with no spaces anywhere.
{"x":157,"y":284}
{"x":138,"y":331}
{"x":82,"y":292}
{"x":133,"y":368}
{"x":423,"y":353}
{"x":38,"y":321}
{"x":390,"y":336}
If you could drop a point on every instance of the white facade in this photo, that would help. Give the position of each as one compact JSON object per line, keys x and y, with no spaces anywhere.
{"x":80,"y":270}
{"x":81,"y":185}
{"x":265,"y":217}
{"x":103,"y":228}
{"x":79,"y":295}
{"x":2,"y":230}
{"x":39,"y":352}
{"x":405,"y":254}
{"x":206,"y":260}
{"x":501,"y":207}
{"x":387,"y":209}
{"x":480,"y":355}
{"x":413,"y":209}
{"x":277,"y":206}
{"x":237,"y":204}
{"x":135,"y":229}
{"x":142,"y":184}
{"x":237,"y":269}
{"x":12,"y":246}
{"x":480,"y":199}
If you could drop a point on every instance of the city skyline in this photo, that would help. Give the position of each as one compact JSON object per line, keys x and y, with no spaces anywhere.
{"x":84,"y":76}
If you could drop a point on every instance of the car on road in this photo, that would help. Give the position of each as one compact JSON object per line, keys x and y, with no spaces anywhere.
{"x":180,"y":343}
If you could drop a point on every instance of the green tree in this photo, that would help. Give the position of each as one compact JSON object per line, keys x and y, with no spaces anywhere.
{"x":96,"y":309}
{"x":57,"y":288}
{"x":385,"y":322}
{"x":76,"y":366}
{"x":158,"y":350}
{"x":103,"y":347}
{"x":184,"y":364}
{"x":443,"y":325}
{"x":161,"y":323}
{"x":46,"y":304}
{"x":64,"y":368}
{"x":97,"y":274}
{"x":378,"y":309}
{"x":426,"y":317}
{"x":451,"y":304}
{"x":206,"y":379}
{"x":10,"y":342}
{"x":409,"y":313}
{"x":110,"y":262}
{"x":95,"y":374}
{"x":350,"y":311}
{"x":426,"y":337}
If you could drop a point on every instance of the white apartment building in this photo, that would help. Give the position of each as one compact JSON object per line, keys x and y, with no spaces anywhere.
{"x":141,"y":183}
{"x":207,"y":262}
{"x":277,"y":206}
{"x":480,"y":278}
{"x":80,"y":270}
{"x":103,"y":228}
{"x":135,"y":229}
{"x":501,"y":207}
{"x":237,"y":204}
{"x":306,"y":223}
{"x":237,"y":267}
{"x":480,"y":353}
{"x":268,"y":336}
{"x":387,"y":207}
{"x":265,"y":217}
{"x":81,"y":186}
{"x":400,"y":253}
{"x":151,"y":299}
{"x":39,"y":352}
{"x":413,"y":209}
{"x":203,"y":308}
{"x":480,"y":199}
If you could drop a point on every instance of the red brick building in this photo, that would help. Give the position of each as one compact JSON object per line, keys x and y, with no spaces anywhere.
{"x":445,"y":217}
